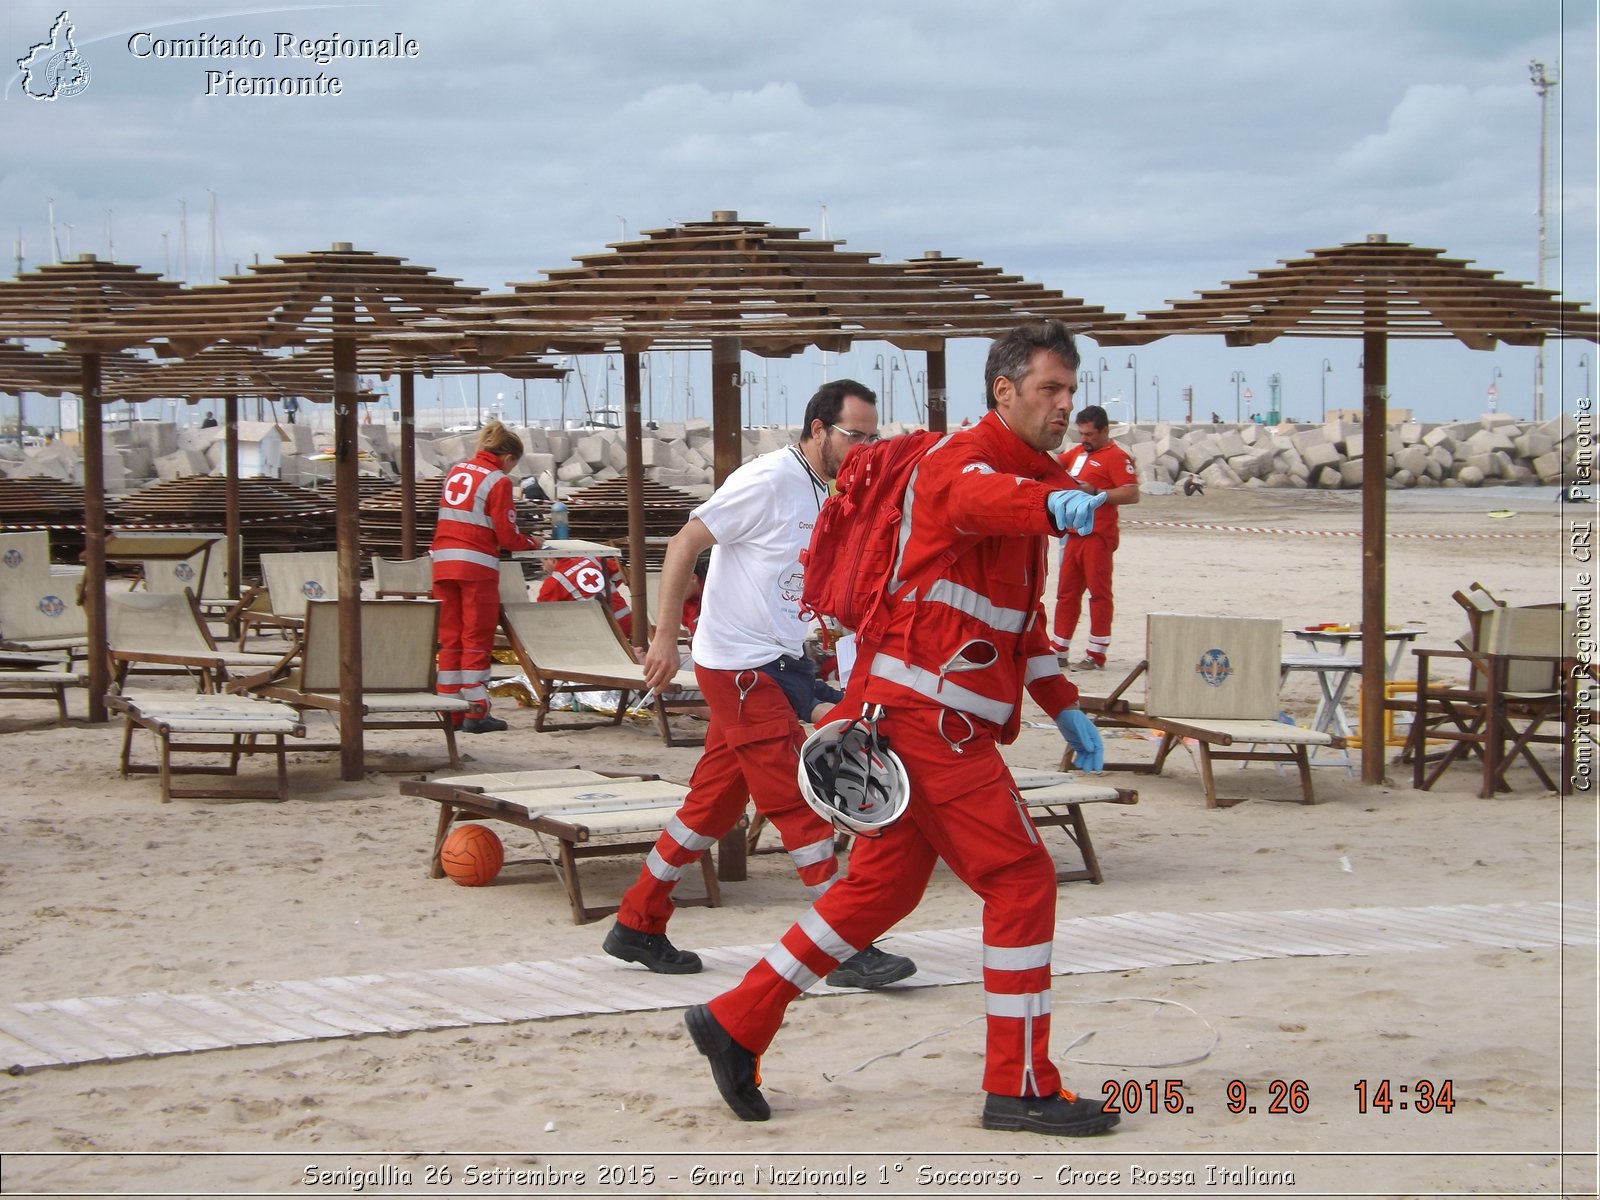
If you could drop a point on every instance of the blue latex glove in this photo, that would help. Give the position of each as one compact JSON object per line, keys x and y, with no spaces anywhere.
{"x":1089,"y":752}
{"x":1073,"y":511}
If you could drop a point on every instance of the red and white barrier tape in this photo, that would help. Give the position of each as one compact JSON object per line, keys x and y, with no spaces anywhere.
{"x":1349,"y":533}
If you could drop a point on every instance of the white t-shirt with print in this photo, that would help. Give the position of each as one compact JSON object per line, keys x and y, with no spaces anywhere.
{"x":762,"y":518}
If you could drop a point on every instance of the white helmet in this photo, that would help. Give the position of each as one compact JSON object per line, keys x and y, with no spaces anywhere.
{"x":851,"y":779}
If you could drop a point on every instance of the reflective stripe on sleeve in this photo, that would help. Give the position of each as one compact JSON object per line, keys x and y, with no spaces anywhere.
{"x":1041,"y":666}
{"x":662,"y":869}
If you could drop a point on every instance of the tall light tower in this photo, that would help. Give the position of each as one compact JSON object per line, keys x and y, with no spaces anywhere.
{"x":1544,"y":84}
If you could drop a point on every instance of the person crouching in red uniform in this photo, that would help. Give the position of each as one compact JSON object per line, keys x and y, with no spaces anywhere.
{"x":476,"y":522}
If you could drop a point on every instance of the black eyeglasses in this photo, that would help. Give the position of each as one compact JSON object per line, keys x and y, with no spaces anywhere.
{"x":854,"y":435}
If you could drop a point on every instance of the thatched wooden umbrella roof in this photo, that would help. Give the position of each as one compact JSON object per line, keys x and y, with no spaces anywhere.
{"x":731,"y":285}
{"x":339,"y":295}
{"x":1375,"y":290}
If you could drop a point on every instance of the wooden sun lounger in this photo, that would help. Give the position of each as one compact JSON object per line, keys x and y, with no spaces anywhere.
{"x":26,"y":676}
{"x":180,"y":721}
{"x":572,"y":646}
{"x":1055,"y":800}
{"x":1214,"y":681}
{"x":590,"y":814}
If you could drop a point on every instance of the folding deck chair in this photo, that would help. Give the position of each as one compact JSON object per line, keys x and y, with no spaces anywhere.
{"x":571,"y":646}
{"x":1519,"y":683}
{"x":181,"y":723}
{"x":39,"y":609}
{"x":590,"y":814}
{"x":1213,"y":680}
{"x":289,"y":582}
{"x":166,"y":633}
{"x":402,"y":578}
{"x":399,"y":669}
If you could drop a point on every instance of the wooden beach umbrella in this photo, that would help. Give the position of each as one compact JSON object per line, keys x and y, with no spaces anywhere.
{"x":988,"y":282}
{"x":1374,"y":290}
{"x":58,"y":302}
{"x":342,"y":296}
{"x":727,"y":285}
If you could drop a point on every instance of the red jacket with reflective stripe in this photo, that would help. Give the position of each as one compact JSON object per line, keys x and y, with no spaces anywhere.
{"x":476,"y":507}
{"x":972,"y":635}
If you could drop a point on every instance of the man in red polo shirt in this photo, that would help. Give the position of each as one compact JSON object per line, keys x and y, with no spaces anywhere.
{"x":1099,"y":465}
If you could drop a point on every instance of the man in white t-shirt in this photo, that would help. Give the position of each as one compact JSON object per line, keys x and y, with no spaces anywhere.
{"x":750,"y":663}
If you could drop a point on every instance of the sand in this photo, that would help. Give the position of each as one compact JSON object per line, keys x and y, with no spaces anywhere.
{"x":110,"y":893}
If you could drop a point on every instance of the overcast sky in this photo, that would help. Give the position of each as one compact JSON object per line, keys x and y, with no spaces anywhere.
{"x":1127,"y":153}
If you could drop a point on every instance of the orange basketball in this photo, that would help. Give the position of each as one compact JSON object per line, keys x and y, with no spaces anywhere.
{"x":472,"y":855}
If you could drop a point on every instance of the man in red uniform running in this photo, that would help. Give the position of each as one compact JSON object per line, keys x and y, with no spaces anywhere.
{"x":1100,"y":466}
{"x":749,"y":660}
{"x":943,"y":679}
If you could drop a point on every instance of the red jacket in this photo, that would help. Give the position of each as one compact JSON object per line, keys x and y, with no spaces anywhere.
{"x":1109,"y":467}
{"x":476,"y":507}
{"x":972,"y":633}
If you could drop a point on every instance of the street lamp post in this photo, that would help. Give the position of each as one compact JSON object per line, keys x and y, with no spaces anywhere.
{"x":748,"y":382}
{"x":1494,"y":389}
{"x":1583,"y":361}
{"x":1085,"y":378}
{"x":877,"y":365}
{"x":1133,"y":365}
{"x":783,"y":398}
{"x":649,"y":389}
{"x":1100,"y":383}
{"x":1327,"y":369}
{"x":1238,"y":405}
{"x":894,"y":369}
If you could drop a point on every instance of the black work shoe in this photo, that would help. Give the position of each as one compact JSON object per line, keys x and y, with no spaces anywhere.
{"x":736,"y":1070}
{"x":651,"y":950}
{"x":1063,"y":1114}
{"x":484,"y":725}
{"x":871,"y":968}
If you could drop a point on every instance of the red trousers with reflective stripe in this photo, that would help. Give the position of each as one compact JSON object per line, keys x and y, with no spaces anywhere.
{"x":752,"y":752}
{"x":965,"y":810}
{"x":1086,"y":563}
{"x":468,"y":612}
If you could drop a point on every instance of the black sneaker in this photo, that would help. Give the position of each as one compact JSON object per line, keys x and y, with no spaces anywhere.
{"x":871,"y":968}
{"x":736,"y":1070}
{"x":484,"y":725}
{"x":651,"y":950}
{"x":1063,"y":1114}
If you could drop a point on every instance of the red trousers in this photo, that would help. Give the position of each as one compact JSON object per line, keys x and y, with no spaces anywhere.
{"x":752,"y":752}
{"x":965,"y":810}
{"x":468,"y":612}
{"x":1086,"y":563}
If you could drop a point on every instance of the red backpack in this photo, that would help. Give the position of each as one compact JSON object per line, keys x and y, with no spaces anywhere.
{"x":854,"y":544}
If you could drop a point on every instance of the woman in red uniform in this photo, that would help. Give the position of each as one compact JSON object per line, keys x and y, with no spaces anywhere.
{"x":476,"y":522}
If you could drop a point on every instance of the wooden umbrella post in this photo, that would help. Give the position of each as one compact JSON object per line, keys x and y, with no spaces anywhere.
{"x":1374,"y":578}
{"x":347,"y":498}
{"x":408,"y":464}
{"x":233,"y":550}
{"x":726,"y":438}
{"x":938,"y":422}
{"x":633,"y":437}
{"x":94,"y":532}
